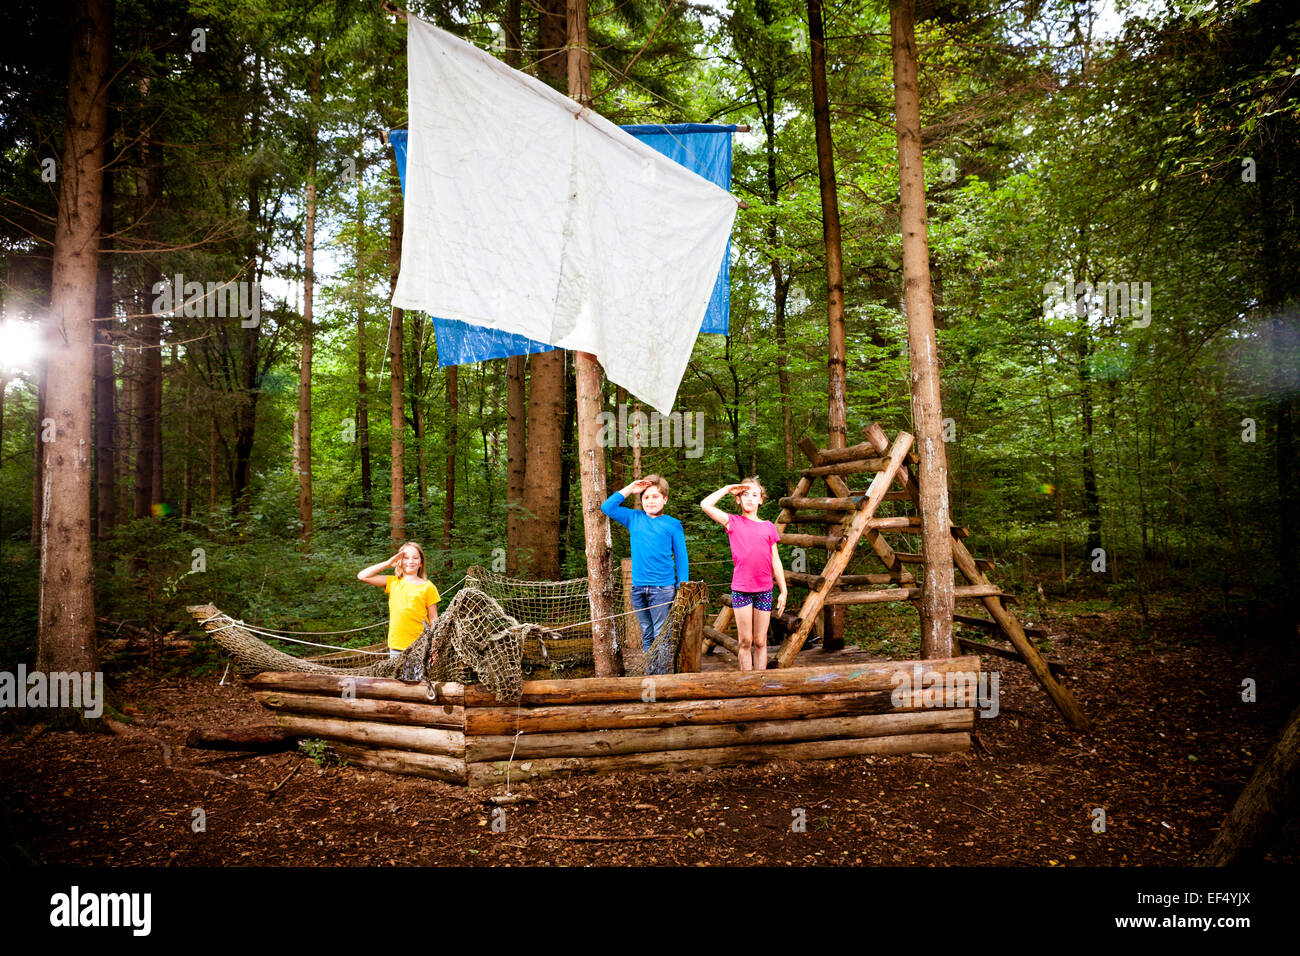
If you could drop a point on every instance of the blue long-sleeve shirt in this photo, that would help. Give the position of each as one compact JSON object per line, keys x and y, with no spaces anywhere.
{"x":658,"y":545}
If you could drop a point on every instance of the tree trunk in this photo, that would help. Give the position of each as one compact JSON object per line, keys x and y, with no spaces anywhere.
{"x":38,"y":447}
{"x":416,"y":395}
{"x":125,"y":415}
{"x":363,"y":413}
{"x":591,"y":454}
{"x":308,"y":297}
{"x":248,"y":374}
{"x":516,"y":365}
{"x":214,"y":482}
{"x":937,"y":595}
{"x":149,"y":366}
{"x":304,"y":367}
{"x":516,"y":456}
{"x":397,"y":499}
{"x":618,"y":457}
{"x":540,"y":529}
{"x":1091,"y":498}
{"x":187,"y":470}
{"x":105,"y":387}
{"x":837,"y":409}
{"x":66,"y":622}
{"x":453,"y":409}
{"x":1281,"y":332}
{"x":568,"y":456}
{"x":1263,"y":807}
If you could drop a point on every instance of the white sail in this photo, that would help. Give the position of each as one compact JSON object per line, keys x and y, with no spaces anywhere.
{"x":527,"y":213}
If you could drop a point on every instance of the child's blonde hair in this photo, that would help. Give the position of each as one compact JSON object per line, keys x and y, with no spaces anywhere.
{"x":659,"y":481}
{"x":419,"y":550}
{"x":762,"y":492}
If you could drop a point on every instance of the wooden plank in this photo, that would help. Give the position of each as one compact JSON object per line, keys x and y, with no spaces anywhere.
{"x":379,"y":688}
{"x":370,"y":733}
{"x":993,"y":627}
{"x":493,"y":721}
{"x":725,"y":641}
{"x":833,"y":456}
{"x":818,"y":518}
{"x":801,"y":488}
{"x":450,"y":716}
{"x":813,"y":604}
{"x":964,"y":593}
{"x":720,"y":623}
{"x":692,"y":640}
{"x":823,"y":504}
{"x":839,"y":598}
{"x":846,"y":467}
{"x":493,"y":773}
{"x":906,"y":557}
{"x":449,"y":769}
{"x":815,"y":581}
{"x":1057,"y":668}
{"x":910,"y":525}
{"x":970,"y":569}
{"x":829,"y":542}
{"x":717,"y":685}
{"x":653,"y":739}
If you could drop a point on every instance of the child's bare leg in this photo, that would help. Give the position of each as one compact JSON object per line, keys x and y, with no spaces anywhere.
{"x":745,"y":635}
{"x":758,"y":653}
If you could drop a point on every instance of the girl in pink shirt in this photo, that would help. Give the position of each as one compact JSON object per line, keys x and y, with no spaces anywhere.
{"x":754,"y":551}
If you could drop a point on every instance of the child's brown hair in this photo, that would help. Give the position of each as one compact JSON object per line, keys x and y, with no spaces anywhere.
{"x":762,"y":492}
{"x":659,"y":481}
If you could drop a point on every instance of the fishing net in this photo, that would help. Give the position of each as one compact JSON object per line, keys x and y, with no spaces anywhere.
{"x":497,"y":631}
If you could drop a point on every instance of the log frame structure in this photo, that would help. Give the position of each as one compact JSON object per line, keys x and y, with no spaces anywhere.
{"x":847,"y":518}
{"x":461,"y":734}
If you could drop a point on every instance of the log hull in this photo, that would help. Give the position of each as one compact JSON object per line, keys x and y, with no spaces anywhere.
{"x":606,"y":725}
{"x":493,"y":773}
{"x":613,"y":742}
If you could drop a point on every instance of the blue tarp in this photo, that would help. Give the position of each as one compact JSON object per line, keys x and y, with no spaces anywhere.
{"x":696,"y":146}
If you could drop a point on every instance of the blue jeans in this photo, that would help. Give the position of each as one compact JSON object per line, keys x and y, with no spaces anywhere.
{"x":653,"y":619}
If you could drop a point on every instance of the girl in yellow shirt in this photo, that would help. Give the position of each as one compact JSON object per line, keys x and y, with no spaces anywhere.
{"x":411,"y":599}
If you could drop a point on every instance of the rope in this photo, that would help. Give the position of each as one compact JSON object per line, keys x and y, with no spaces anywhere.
{"x":251,"y":629}
{"x":324,"y":633}
{"x":612,"y":616}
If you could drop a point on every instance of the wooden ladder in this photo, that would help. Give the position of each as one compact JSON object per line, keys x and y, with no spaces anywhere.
{"x":850,"y":519}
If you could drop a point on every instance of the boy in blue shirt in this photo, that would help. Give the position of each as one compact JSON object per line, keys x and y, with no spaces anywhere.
{"x":659,"y":560}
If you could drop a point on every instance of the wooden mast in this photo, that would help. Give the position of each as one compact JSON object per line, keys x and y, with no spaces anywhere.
{"x":927,"y":410}
{"x":837,"y":408}
{"x":591,"y":454}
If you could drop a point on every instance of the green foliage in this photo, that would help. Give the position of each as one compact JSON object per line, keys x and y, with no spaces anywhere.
{"x":1052,"y":151}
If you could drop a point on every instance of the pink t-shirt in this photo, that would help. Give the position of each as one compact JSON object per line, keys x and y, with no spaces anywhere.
{"x":751,"y":549}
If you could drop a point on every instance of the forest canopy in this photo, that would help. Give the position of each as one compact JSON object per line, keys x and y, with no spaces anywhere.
{"x":1113,"y":254}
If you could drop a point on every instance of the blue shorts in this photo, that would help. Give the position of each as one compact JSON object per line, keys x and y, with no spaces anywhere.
{"x":762,"y":600}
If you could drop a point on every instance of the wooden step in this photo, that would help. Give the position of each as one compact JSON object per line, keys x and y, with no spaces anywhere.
{"x":835,"y":456}
{"x":854,"y":532}
{"x":722,"y":640}
{"x":992,"y":627}
{"x":814,"y":581}
{"x":973,"y":592}
{"x":847,"y":468}
{"x":983,"y":564}
{"x":830,"y":542}
{"x":823,"y":504}
{"x":1057,"y":668}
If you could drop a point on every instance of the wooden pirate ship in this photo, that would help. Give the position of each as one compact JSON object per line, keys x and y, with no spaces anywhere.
{"x":461,"y":732}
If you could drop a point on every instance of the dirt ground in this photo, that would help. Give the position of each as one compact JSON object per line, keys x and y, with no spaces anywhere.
{"x":1174,"y":744}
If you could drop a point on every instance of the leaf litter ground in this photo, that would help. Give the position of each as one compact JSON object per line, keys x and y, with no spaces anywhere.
{"x":1174,"y":745}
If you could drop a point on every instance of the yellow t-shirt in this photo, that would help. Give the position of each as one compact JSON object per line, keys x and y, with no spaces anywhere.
{"x":408,"y":610}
